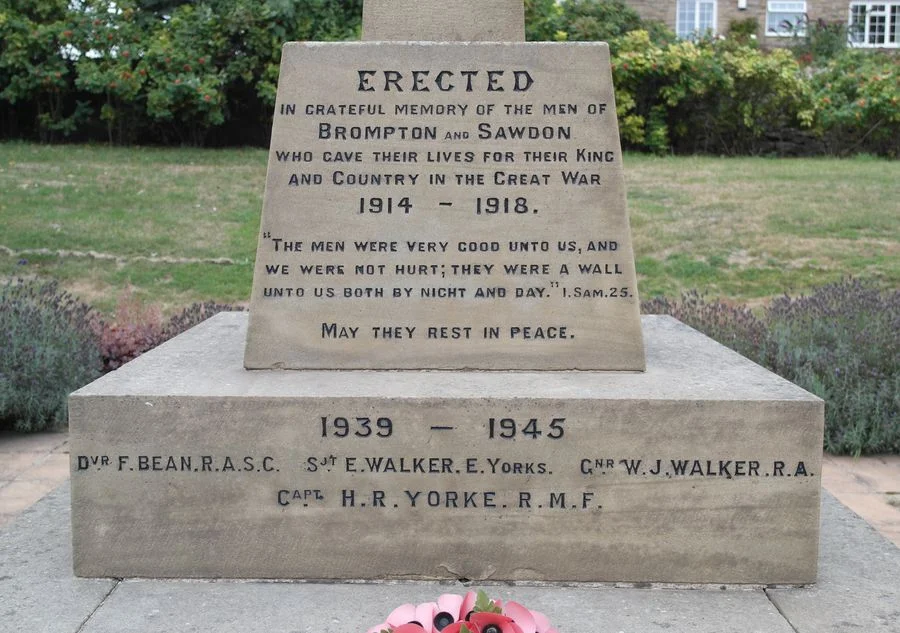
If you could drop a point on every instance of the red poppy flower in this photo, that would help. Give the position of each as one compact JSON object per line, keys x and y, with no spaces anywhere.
{"x":468,"y":604}
{"x":494,"y":623}
{"x":401,"y":615}
{"x":409,"y":628}
{"x":541,"y":621}
{"x":520,"y":616}
{"x":457,"y":627}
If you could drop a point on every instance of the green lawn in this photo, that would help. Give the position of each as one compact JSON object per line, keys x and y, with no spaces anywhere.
{"x":741,"y":229}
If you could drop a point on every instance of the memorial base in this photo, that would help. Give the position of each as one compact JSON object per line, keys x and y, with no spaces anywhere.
{"x":703,"y":469}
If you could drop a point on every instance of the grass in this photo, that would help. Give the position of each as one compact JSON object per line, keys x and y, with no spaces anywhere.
{"x":741,"y":229}
{"x":131,"y":204}
{"x":748,"y":229}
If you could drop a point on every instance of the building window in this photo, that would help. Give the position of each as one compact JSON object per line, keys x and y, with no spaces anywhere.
{"x":875,"y":24}
{"x":695,"y":18}
{"x":785,"y":18}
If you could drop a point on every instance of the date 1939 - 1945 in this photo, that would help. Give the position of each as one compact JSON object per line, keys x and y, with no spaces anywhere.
{"x":497,"y":428}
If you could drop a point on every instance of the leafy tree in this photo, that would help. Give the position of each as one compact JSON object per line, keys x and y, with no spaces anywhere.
{"x":109,"y":37}
{"x":184,"y":83}
{"x":34,"y":69}
{"x":598,"y":20}
{"x":542,"y":21}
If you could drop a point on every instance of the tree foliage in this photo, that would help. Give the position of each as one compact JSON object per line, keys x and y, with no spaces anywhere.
{"x":205,"y":72}
{"x":153,"y":70}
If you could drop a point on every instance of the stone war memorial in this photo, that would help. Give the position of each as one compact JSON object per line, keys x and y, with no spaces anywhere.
{"x":444,"y":373}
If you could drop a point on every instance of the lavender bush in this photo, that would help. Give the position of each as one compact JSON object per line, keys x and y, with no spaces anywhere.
{"x":842,"y":343}
{"x":193,"y":315}
{"x":733,"y":326}
{"x":47,"y":349}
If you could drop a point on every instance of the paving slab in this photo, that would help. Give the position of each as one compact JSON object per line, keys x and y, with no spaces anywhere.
{"x":859,"y":580}
{"x":233,"y":607}
{"x":38,"y":592}
{"x":12,"y":464}
{"x":31,"y":466}
{"x":18,"y":495}
{"x":868,"y":486}
{"x":858,"y":590}
{"x":35,"y":442}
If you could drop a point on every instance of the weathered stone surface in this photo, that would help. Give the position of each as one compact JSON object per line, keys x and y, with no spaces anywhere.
{"x":288,"y":473}
{"x":445,"y":206}
{"x":444,"y":20}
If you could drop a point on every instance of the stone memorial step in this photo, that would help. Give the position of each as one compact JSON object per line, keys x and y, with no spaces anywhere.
{"x":705,"y":468}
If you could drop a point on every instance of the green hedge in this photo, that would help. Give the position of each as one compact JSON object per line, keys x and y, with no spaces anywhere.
{"x":205,"y":73}
{"x":727,"y":97}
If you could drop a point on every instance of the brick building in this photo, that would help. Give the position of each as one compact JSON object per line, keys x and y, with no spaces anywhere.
{"x":871,"y":24}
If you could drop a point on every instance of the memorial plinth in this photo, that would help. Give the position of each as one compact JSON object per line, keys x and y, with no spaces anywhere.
{"x":446,"y":206}
{"x":703,"y":469}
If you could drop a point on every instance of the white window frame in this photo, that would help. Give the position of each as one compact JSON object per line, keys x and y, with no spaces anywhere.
{"x":861,"y":35}
{"x":696,"y":29}
{"x":780,"y":11}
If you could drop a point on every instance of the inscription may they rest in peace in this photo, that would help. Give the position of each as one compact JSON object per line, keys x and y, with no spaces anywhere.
{"x":445,"y":206}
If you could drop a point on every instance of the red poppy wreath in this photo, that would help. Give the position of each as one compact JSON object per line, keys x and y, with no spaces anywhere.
{"x":472,"y":613}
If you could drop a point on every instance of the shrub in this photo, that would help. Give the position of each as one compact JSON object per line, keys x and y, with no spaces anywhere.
{"x":744,"y":31}
{"x":194,"y":315}
{"x":48,"y":350}
{"x":733,"y":326}
{"x":606,"y":21}
{"x":857,"y":97}
{"x":842,"y":344}
{"x":136,"y":329}
{"x":709,"y":96}
{"x":839,"y":343}
{"x":822,"y":41}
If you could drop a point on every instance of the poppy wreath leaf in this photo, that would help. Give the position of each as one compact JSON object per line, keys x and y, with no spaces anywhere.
{"x":483,"y":604}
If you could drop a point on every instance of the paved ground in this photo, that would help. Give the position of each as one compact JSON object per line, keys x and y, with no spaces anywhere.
{"x":858,"y":591}
{"x":858,"y":587}
{"x":870,"y":486}
{"x":33,"y":465}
